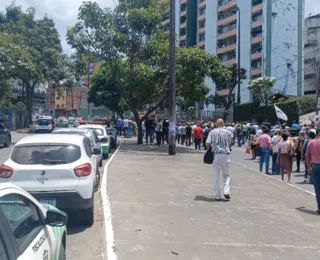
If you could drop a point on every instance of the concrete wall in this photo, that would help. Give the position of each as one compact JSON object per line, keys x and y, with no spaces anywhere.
{"x":286,"y":45}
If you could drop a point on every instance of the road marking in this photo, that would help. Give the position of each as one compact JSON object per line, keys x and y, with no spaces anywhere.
{"x":108,"y":235}
{"x":270,"y":176}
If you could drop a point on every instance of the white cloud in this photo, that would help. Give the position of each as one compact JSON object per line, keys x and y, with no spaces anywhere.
{"x":312,"y":7}
{"x":63,"y":12}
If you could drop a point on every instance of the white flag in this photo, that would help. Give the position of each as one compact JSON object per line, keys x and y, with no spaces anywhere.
{"x":280,"y":113}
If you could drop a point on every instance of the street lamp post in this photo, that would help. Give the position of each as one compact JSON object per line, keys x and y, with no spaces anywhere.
{"x":172,"y":80}
{"x":239,"y":55}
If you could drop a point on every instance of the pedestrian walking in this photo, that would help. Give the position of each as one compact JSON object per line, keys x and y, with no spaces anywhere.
{"x":188,"y":134}
{"x":125,"y":127}
{"x":165,"y":131}
{"x":239,"y":133}
{"x":265,"y":143}
{"x":198,"y":136}
{"x":150,"y":127}
{"x":313,"y":163}
{"x":119,"y":126}
{"x":159,"y":132}
{"x":286,"y":153}
{"x":298,"y":148}
{"x":130,"y":127}
{"x":253,"y":142}
{"x":310,"y":136}
{"x":219,"y":140}
{"x":182,"y":131}
{"x":275,"y":152}
{"x":206,"y":134}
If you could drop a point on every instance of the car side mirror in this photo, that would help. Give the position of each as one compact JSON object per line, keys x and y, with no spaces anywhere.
{"x":56,"y":218}
{"x":102,"y":140}
{"x":96,"y":151}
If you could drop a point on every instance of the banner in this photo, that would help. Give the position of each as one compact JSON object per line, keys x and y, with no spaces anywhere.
{"x":280,"y":113}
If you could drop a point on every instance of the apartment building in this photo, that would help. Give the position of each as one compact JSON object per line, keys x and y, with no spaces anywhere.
{"x":311,"y":53}
{"x":271,"y":40}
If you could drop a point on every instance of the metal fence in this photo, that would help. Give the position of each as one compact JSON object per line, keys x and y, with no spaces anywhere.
{"x":13,"y":119}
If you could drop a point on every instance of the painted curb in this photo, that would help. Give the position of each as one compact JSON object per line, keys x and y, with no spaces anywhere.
{"x":108,"y":235}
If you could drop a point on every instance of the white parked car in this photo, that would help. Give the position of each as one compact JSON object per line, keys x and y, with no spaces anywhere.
{"x":60,"y":170}
{"x":29,"y":229}
{"x":44,"y":124}
{"x":103,"y":137}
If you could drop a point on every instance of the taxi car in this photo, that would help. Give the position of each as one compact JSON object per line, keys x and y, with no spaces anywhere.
{"x":62,"y":122}
{"x":57,"y":169}
{"x":103,"y":137}
{"x":28,"y":228}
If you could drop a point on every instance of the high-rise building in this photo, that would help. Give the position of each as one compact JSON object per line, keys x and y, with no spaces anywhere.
{"x":271,"y":40}
{"x":311,"y":53}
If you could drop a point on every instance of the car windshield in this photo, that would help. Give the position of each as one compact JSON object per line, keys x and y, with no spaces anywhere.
{"x":46,"y":154}
{"x":43,"y":121}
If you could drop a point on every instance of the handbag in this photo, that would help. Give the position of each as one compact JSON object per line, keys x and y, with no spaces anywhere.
{"x":208,"y":157}
{"x":248,"y":150}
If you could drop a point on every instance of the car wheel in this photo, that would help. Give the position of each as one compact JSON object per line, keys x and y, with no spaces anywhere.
{"x":105,"y":156}
{"x":89,"y":215}
{"x":7,"y":144}
{"x":97,"y":184}
{"x":114,"y":144}
{"x":100,"y":163}
{"x":62,"y":253}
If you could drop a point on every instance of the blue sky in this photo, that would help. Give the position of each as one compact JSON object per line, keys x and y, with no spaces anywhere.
{"x":64,"y":12}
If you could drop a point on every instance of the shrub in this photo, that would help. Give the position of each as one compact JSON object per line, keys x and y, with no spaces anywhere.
{"x":307,"y":104}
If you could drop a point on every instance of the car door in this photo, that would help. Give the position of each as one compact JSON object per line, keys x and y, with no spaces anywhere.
{"x":3,"y":134}
{"x":26,"y":224}
{"x":6,"y":250}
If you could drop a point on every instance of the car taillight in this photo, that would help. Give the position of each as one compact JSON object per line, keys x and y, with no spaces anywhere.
{"x":5,"y":172}
{"x":107,"y":139}
{"x":83,"y":170}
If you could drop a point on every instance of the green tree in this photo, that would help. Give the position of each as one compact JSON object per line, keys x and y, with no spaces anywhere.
{"x":262,"y":87}
{"x":229,"y":83}
{"x":135,"y":49}
{"x":41,"y":40}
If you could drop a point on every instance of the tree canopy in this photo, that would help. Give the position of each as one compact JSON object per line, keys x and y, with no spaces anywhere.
{"x":261,"y":88}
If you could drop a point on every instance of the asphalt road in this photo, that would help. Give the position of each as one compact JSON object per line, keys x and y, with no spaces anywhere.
{"x":83,"y":242}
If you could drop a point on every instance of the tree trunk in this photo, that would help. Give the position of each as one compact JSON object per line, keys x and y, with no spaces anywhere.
{"x":139,"y":124}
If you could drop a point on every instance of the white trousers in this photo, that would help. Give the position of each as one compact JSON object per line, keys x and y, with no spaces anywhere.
{"x":221,"y":164}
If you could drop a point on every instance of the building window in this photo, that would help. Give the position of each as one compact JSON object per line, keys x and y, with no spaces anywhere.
{"x":202,"y":24}
{"x":58,"y":106}
{"x":202,"y":37}
{"x":311,"y":60}
{"x":62,"y":105}
{"x":202,"y":11}
{"x":58,"y":98}
{"x":310,"y":76}
{"x":227,"y":28}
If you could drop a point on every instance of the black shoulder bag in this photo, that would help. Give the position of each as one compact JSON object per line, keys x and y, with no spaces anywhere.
{"x":208,"y":157}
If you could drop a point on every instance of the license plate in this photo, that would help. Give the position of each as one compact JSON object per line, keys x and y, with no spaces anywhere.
{"x":52,"y":202}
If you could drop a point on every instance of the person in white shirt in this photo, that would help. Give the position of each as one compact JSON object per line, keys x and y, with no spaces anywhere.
{"x":276,"y":141}
{"x":125,"y":127}
{"x":231,"y":131}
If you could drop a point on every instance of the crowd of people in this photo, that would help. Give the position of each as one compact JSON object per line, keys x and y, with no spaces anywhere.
{"x":283,"y":145}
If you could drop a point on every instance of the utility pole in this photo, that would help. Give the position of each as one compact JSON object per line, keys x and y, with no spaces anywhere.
{"x":172,"y":80}
{"x":239,"y":56}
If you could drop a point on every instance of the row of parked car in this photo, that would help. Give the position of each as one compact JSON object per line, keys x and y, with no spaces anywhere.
{"x":44,"y":176}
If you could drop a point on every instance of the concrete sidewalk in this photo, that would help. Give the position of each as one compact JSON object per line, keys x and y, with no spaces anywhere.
{"x":163,"y":208}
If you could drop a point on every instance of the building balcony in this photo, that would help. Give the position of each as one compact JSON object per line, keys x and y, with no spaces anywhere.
{"x":257,"y":8}
{"x":227,"y":34}
{"x":183,"y":2}
{"x":256,"y":39}
{"x":183,"y":13}
{"x":256,"y":72}
{"x":201,"y":43}
{"x":229,"y":62}
{"x":202,"y":4}
{"x":256,"y":56}
{"x":228,"y":48}
{"x":183,"y":38}
{"x":202,"y":17}
{"x":202,"y":30}
{"x":256,"y":24}
{"x":183,"y":25}
{"x":227,"y":20}
{"x":165,"y":22}
{"x":227,"y":6}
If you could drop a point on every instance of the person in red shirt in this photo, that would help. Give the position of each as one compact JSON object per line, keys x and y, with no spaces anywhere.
{"x":198,"y":136}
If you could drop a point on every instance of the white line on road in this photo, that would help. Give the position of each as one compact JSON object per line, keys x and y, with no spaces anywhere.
{"x":270,"y":176}
{"x":108,"y":235}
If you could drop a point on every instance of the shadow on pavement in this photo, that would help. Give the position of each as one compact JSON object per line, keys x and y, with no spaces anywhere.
{"x":131,"y":147}
{"x":75,"y":223}
{"x":206,"y":199}
{"x":307,"y":211}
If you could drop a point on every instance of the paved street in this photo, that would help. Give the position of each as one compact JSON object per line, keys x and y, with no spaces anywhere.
{"x":83,"y":243}
{"x":163,"y":208}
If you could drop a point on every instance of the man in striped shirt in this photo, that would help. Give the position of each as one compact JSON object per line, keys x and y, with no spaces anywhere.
{"x":220,"y":140}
